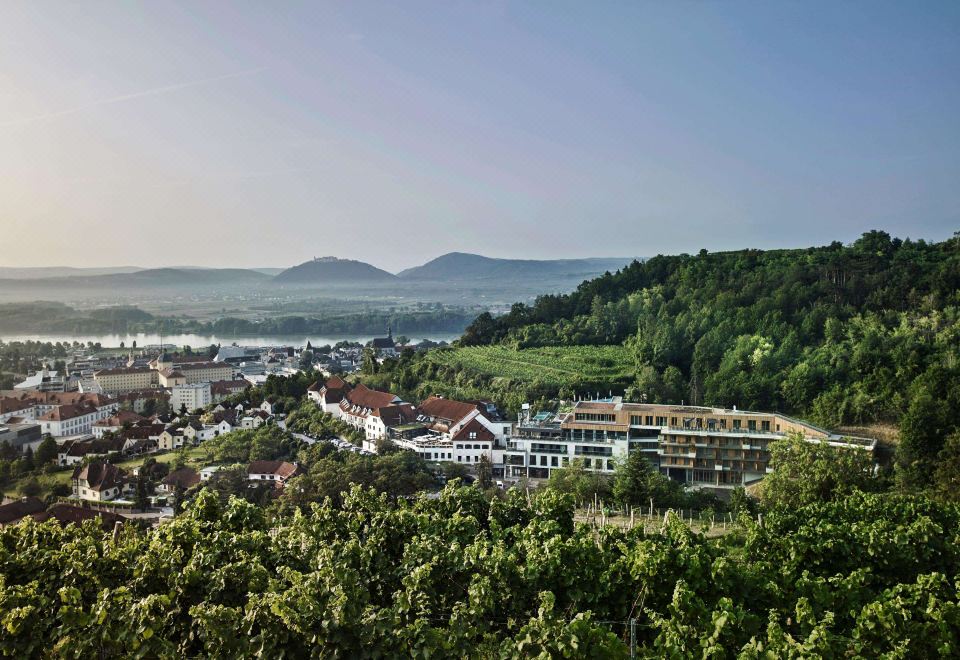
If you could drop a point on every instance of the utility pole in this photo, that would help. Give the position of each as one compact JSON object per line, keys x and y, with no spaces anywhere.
{"x":633,"y":638}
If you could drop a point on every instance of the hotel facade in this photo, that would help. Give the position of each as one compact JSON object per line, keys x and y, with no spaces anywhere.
{"x":712,"y":448}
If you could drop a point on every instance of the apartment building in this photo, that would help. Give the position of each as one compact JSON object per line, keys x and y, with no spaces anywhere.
{"x":193,"y":396}
{"x":714,"y":448}
{"x":126,"y":379}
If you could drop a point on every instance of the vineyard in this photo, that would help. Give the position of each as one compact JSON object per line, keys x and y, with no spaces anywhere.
{"x":464,"y":576}
{"x":558,"y":366}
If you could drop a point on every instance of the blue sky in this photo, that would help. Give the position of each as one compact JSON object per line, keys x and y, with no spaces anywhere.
{"x":242,"y":134}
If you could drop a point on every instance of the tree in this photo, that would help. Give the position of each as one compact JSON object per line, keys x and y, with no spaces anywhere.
{"x":30,"y":487}
{"x":484,"y":473}
{"x":28,"y":463}
{"x":946,"y":476}
{"x":809,"y":472}
{"x":142,"y":500}
{"x":46,"y":451}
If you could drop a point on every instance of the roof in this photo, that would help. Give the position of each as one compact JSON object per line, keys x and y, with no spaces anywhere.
{"x":100,"y":475}
{"x":170,"y":372}
{"x":185,"y":477}
{"x":121,"y":371}
{"x":474,"y":426}
{"x":61,"y":413}
{"x":382,"y":342}
{"x":121,"y":418}
{"x":11,"y":404}
{"x":66,"y":514}
{"x":200,"y":366}
{"x":228,"y":386}
{"x":447,"y":409}
{"x":396,"y":415}
{"x":14,"y":511}
{"x":282,"y":469}
{"x":364,"y":397}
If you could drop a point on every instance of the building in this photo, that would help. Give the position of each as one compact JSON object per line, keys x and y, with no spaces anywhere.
{"x":184,"y":478}
{"x":126,"y":379}
{"x":384,"y":346}
{"x":329,"y":395}
{"x":204,"y":372}
{"x":43,"y":381}
{"x":276,"y":472}
{"x":358,"y":402}
{"x":191,"y":397}
{"x":713,"y":448}
{"x":385,"y":421}
{"x":100,"y":481}
{"x":13,"y":512}
{"x":71,"y":419}
{"x":116,"y":422}
{"x":21,"y":435}
{"x":66,"y":514}
{"x":221,"y":389}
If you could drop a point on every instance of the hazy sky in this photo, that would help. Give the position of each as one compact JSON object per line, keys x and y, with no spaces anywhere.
{"x":263,"y":134}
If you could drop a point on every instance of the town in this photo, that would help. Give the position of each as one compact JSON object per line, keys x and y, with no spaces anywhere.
{"x":105,"y":418}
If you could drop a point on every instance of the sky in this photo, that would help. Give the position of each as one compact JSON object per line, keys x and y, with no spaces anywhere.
{"x":264,"y":134}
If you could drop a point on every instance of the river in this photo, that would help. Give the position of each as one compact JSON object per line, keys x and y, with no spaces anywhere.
{"x":196,"y":341}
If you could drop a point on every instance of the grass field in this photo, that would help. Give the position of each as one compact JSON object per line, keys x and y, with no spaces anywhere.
{"x":554,"y":365}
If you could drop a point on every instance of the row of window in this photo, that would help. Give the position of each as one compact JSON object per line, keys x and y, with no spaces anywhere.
{"x":594,"y":417}
{"x":469,"y":446}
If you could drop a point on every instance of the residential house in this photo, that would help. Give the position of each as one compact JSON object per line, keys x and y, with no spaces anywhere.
{"x":115,"y":422}
{"x":276,"y":472}
{"x":100,"y":481}
{"x":184,"y":478}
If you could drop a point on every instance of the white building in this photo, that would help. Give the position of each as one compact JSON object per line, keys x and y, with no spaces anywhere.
{"x":193,"y":396}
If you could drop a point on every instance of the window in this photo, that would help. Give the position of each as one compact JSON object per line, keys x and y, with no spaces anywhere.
{"x":752,"y":424}
{"x":553,"y":461}
{"x":594,"y":417}
{"x":543,"y":460}
{"x":673,"y":421}
{"x":736,"y":425}
{"x":649,"y":420}
{"x":765,"y":426}
{"x":473,"y":435}
{"x":661,"y":421}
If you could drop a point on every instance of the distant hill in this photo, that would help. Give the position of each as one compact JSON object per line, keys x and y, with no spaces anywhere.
{"x":333,"y":270}
{"x":149,"y":278}
{"x":462,"y":266}
{"x":38,"y":272}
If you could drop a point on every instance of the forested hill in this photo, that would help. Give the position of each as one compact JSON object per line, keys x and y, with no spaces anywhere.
{"x":841,"y":334}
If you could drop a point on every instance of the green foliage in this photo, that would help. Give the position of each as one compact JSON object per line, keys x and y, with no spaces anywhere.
{"x":458,"y":576}
{"x":810,"y":472}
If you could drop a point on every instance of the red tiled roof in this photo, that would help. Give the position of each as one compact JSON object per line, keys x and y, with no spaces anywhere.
{"x":99,"y":475}
{"x":473,"y":426}
{"x":121,"y":418}
{"x":185,"y":477}
{"x":282,"y":469}
{"x":120,"y":371}
{"x":395,"y":415}
{"x":363,"y":396}
{"x":64,"y":412}
{"x":448,"y":410}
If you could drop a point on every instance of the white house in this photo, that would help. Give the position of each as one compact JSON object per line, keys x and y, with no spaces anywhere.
{"x":100,"y":481}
